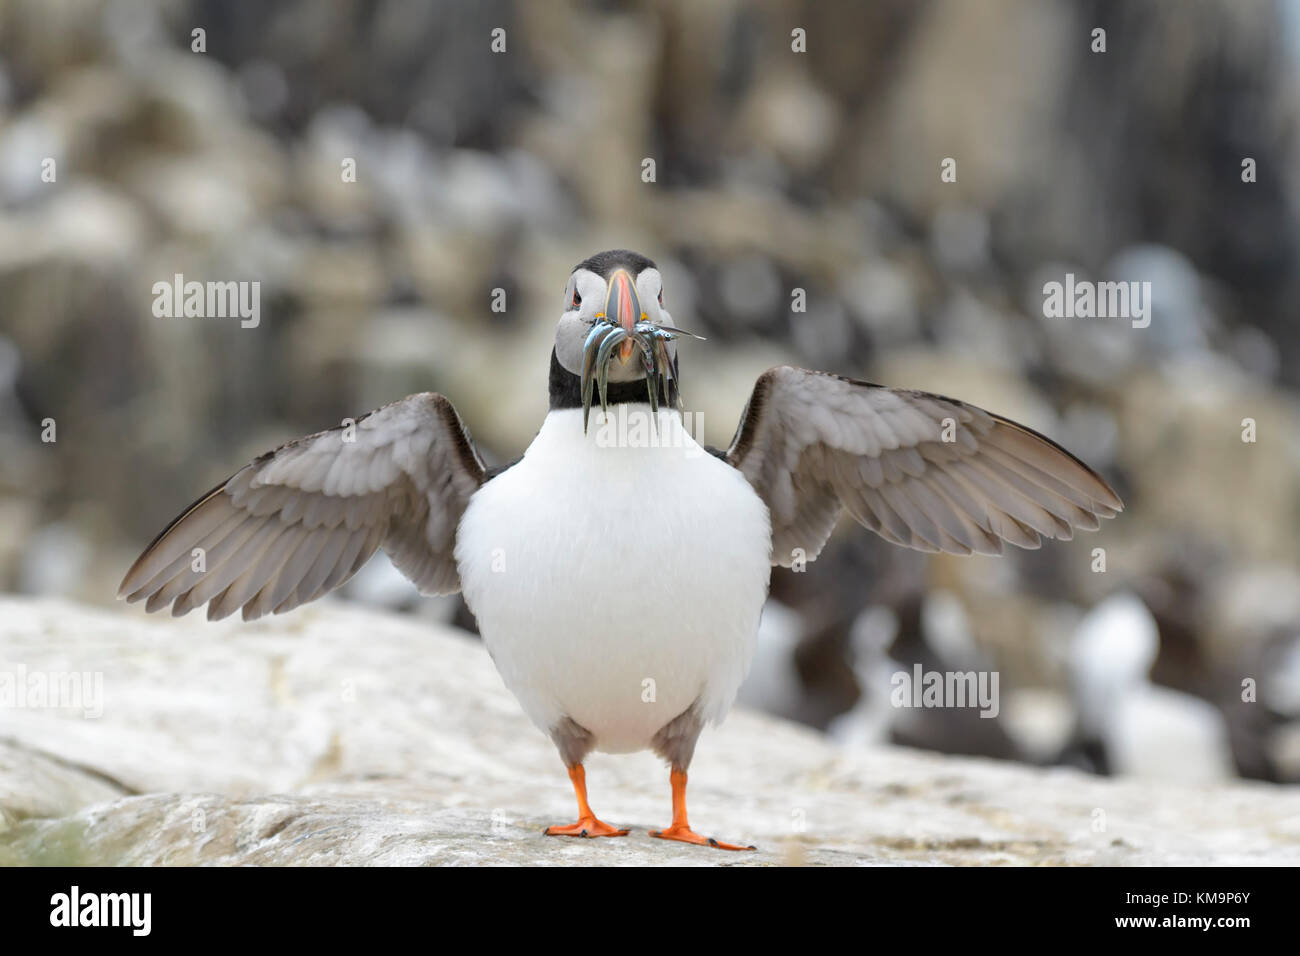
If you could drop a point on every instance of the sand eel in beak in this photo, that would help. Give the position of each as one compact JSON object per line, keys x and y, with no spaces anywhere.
{"x":625,"y":326}
{"x":644,"y":656}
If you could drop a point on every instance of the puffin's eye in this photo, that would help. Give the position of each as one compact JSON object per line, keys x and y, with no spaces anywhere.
{"x":577,"y":299}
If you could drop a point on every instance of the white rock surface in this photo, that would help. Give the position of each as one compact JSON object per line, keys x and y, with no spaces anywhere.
{"x":340,"y":736}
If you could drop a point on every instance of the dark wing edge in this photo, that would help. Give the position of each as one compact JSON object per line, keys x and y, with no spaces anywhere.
{"x":299,"y":521}
{"x":813,"y":444}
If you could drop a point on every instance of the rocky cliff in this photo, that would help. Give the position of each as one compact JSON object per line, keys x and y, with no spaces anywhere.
{"x":337,"y":736}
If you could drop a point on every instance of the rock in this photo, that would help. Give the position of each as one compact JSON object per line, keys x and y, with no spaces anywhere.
{"x":1185,"y":425}
{"x":882,"y":298}
{"x":339,"y":736}
{"x":959,"y":238}
{"x":790,"y":115}
{"x":1247,"y":604}
{"x":34,"y":785}
{"x":751,"y":289}
{"x":1181,"y":319}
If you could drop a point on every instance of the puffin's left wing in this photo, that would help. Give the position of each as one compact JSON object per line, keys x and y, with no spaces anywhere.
{"x":301,"y":520}
{"x":920,"y":470}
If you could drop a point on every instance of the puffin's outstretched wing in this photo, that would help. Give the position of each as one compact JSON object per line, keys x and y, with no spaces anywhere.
{"x":301,"y":520}
{"x":920,"y":470}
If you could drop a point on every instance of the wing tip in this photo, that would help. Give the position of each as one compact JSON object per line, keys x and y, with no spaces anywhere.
{"x":1108,"y":497}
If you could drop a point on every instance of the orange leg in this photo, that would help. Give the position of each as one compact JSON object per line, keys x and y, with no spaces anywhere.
{"x":587,"y":825}
{"x":681,"y":829}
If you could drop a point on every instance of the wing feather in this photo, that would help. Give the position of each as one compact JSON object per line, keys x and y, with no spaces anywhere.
{"x":299,"y":521}
{"x":921,"y":470}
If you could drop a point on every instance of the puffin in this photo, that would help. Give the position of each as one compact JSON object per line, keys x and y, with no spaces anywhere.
{"x":618,"y":569}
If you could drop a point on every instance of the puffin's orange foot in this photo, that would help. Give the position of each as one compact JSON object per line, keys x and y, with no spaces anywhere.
{"x":686,"y":835}
{"x":588,"y":827}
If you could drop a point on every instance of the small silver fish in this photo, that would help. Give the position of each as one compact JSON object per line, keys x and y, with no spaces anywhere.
{"x":651,"y":339}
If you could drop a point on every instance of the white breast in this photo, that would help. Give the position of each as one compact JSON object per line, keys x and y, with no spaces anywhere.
{"x":617,"y":585}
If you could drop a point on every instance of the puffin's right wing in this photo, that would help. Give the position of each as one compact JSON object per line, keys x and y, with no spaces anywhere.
{"x":301,"y":520}
{"x":920,"y":470}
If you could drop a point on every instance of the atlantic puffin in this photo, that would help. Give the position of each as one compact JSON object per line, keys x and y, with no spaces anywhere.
{"x":617,"y":570}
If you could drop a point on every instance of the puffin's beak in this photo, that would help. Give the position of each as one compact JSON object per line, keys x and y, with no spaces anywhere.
{"x":622,"y":307}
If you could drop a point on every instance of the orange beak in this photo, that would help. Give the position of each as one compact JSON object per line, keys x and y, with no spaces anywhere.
{"x":624,"y":308}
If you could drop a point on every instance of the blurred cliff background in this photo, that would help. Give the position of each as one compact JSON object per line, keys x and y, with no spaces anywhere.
{"x":774,"y":170}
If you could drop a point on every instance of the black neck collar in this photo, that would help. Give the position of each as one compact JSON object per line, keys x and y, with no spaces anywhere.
{"x":566,"y":391}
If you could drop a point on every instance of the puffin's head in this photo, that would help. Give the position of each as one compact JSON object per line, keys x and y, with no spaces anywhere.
{"x":615,"y":328}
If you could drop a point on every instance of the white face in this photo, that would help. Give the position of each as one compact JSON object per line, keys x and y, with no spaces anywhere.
{"x":584,"y":296}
